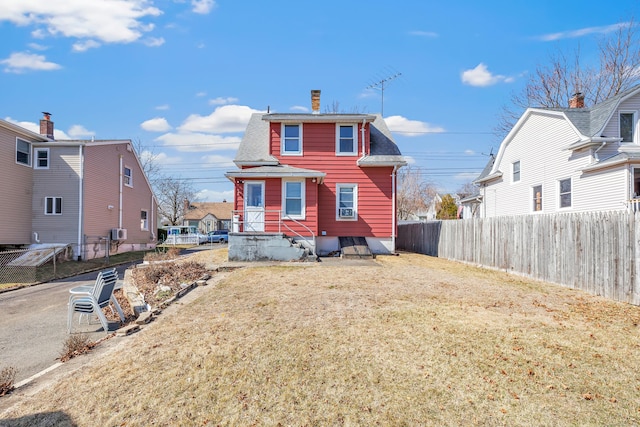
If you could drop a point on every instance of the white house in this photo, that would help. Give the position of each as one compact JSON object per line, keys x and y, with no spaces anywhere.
{"x":567,"y":160}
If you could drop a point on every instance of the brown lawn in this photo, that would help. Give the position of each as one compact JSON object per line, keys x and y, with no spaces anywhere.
{"x":408,"y":340}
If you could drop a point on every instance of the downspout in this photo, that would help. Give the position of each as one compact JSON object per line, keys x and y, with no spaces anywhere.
{"x":151,"y":224}
{"x":80,"y":201}
{"x":362,"y":137}
{"x":120,"y":191}
{"x":393,"y":207}
{"x":595,"y":153}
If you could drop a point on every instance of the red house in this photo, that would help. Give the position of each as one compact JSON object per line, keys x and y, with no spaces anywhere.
{"x":314,"y":184}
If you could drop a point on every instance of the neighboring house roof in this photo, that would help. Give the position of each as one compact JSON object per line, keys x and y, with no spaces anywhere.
{"x":615,"y":160}
{"x":22,"y":131}
{"x":588,"y":123}
{"x":254,"y":147}
{"x":197,"y":211}
{"x":486,"y":174}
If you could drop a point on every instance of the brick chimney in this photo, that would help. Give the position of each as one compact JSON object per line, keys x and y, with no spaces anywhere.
{"x":577,"y":100}
{"x":315,"y":101}
{"x":46,"y":125}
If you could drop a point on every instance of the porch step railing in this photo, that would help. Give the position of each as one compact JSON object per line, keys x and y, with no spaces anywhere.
{"x":634,"y":204}
{"x":240,"y":224}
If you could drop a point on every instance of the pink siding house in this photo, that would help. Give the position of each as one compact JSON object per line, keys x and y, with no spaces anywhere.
{"x":324,"y":182}
{"x":90,"y":195}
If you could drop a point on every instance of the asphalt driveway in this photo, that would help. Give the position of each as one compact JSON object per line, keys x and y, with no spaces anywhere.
{"x":33,"y":324}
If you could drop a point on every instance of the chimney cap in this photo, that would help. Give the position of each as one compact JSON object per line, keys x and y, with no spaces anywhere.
{"x":46,"y":114}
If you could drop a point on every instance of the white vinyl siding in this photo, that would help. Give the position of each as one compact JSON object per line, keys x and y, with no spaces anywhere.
{"x":550,"y":134}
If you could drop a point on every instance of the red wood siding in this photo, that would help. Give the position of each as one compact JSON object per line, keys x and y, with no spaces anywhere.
{"x":375,"y":209}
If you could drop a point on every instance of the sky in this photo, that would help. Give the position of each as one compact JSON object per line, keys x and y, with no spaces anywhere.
{"x":182,"y":77}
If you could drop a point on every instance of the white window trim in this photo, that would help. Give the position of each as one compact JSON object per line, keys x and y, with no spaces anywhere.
{"x":355,"y":201}
{"x":531,"y":195}
{"x":634,"y":134}
{"x":144,"y":226}
{"x":35,"y":157}
{"x":29,"y":153}
{"x":303,"y":209}
{"x":125,"y":176}
{"x":560,"y":195}
{"x":55,"y":204}
{"x":355,"y":141}
{"x":513,"y":171}
{"x":290,"y":153}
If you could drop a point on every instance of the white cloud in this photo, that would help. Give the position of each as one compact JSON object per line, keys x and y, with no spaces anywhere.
{"x":225,"y":119}
{"x":153,"y":41}
{"x":114,"y":21}
{"x":36,"y":46}
{"x":202,"y":7}
{"x":582,"y":32}
{"x":80,"y":132}
{"x":222,"y":101}
{"x":481,"y":76}
{"x":196,"y":142}
{"x":410,"y":160}
{"x":162,"y":107}
{"x":466,"y":176}
{"x":35,"y":128}
{"x":406,"y":127}
{"x":429,"y":34}
{"x":214,"y":160}
{"x":469,"y":152}
{"x":201,"y":94}
{"x":299,"y":108}
{"x":207,"y":195}
{"x":19,"y":62}
{"x":157,"y":124}
{"x":83,"y":46}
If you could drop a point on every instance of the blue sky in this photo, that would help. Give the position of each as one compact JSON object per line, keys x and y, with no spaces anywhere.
{"x":183,"y":76}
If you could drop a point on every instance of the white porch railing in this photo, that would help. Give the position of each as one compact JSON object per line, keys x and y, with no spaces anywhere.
{"x":241,"y":225}
{"x":634,"y":204}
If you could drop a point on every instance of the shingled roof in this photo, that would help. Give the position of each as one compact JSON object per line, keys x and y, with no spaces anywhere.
{"x":197,"y":211}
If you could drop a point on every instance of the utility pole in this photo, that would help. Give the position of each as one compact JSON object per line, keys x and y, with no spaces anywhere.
{"x":380,"y":85}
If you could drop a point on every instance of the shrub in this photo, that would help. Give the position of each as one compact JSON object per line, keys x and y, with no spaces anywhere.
{"x":75,"y":345}
{"x":7,"y":376}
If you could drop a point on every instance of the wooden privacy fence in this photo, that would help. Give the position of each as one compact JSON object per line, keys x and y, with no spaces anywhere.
{"x":598,"y":252}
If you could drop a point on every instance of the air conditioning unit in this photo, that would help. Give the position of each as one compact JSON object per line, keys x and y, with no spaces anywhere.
{"x":118,"y":234}
{"x":346,"y":213}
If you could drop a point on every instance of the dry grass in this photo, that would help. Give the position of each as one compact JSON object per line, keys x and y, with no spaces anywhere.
{"x":76,"y":345}
{"x":412,"y":341}
{"x":7,"y":377}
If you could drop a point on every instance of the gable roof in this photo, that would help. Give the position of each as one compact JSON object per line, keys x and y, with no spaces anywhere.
{"x":588,"y":123}
{"x":22,"y":131}
{"x":197,"y":211}
{"x":254,"y":147}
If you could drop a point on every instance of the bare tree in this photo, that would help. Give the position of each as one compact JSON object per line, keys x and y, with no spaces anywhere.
{"x":467,"y":189}
{"x":148,"y":160}
{"x":554,"y":83}
{"x":334,"y":108}
{"x":414,"y":193}
{"x":171,"y":194}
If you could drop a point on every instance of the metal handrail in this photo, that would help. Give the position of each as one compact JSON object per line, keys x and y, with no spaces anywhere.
{"x":280,"y":223}
{"x":313,"y":247}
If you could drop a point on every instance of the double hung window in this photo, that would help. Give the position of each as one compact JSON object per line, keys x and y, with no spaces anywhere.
{"x":347,"y":202}
{"x":53,"y":206}
{"x":293,"y":199}
{"x":23,"y":152}
{"x":291,"y":139}
{"x":346,"y":139}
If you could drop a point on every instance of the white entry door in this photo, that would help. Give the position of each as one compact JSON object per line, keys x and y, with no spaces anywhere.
{"x":254,"y":206}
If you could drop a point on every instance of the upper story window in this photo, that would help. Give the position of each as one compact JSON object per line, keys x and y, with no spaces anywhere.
{"x":144,"y":222}
{"x":516,"y":171}
{"x":293,"y":199}
{"x":537,"y":198}
{"x":627,"y":126}
{"x":128,"y":178}
{"x":42,"y":158}
{"x":347,"y":202}
{"x":565,"y":192}
{"x":23,"y":152}
{"x":346,"y":139}
{"x":291,"y":139}
{"x":53,"y":206}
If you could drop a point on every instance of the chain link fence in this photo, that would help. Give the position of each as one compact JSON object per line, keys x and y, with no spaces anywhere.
{"x":33,"y":265}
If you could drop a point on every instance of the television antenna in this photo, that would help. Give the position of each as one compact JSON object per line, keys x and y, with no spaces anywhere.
{"x":380,"y":85}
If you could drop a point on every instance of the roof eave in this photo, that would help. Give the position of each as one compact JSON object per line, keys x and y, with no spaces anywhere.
{"x":318,"y":118}
{"x":487,"y":178}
